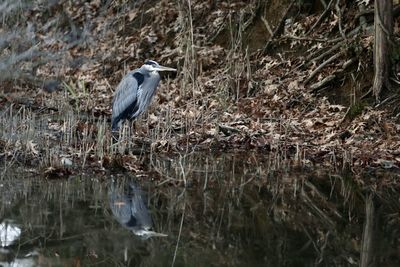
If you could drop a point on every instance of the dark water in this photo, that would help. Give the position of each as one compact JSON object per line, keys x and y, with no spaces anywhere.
{"x":227,"y":210}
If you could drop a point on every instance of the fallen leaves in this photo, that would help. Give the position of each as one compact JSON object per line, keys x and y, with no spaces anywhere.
{"x":220,"y":97}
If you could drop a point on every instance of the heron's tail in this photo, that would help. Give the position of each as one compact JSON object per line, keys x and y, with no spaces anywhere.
{"x":115,"y":125}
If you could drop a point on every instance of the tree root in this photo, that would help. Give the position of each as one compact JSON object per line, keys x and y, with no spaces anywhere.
{"x":320,"y":67}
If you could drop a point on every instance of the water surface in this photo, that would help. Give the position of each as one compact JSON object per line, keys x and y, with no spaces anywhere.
{"x":220,"y":210}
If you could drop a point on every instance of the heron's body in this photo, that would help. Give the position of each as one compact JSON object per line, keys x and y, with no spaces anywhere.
{"x":135,"y":92}
{"x":128,"y":205}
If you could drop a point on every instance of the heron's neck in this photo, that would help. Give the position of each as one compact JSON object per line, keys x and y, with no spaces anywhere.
{"x":154,"y":74}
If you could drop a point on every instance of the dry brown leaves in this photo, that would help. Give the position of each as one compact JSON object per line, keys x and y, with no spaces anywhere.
{"x":220,"y":97}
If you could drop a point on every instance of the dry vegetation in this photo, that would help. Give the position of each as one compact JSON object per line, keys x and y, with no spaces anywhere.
{"x":297,"y":97}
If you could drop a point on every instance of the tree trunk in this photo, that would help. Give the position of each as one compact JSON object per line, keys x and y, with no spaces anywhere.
{"x":383,"y":25}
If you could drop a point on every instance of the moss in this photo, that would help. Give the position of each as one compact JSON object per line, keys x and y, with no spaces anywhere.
{"x":356,"y":109}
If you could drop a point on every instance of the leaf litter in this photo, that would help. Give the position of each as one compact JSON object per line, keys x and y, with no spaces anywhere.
{"x":222,"y":98}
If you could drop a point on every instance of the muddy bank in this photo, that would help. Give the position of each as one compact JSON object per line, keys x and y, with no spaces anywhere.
{"x":225,"y":96}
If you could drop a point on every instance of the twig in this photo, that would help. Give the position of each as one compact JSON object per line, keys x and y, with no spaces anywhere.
{"x":322,"y":250}
{"x":384,"y":101}
{"x":329,"y":60}
{"x":228,"y":130}
{"x":323,"y":15}
{"x":340,"y":19}
{"x":323,"y":82}
{"x":219,"y":30}
{"x":305,"y":38}
{"x":349,"y":62}
{"x":267,"y":26}
{"x":332,"y":49}
{"x":366,"y":94}
{"x":316,"y":209}
{"x":179,"y":235}
{"x":279,"y":25}
{"x":310,"y":58}
{"x":364,"y":12}
{"x":395,"y":81}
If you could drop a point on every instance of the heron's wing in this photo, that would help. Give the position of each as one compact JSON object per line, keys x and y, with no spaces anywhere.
{"x":121,"y":207}
{"x":139,"y":209}
{"x":125,"y":98}
{"x":147,"y":91}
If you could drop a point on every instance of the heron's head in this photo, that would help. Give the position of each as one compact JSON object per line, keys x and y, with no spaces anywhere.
{"x":151,"y":65}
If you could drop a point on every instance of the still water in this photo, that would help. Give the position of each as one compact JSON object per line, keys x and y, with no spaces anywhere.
{"x":201,"y":210}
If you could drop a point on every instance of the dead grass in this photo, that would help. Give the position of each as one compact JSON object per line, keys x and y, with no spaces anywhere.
{"x":221,"y":99}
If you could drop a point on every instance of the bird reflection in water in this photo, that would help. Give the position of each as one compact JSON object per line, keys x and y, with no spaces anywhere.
{"x":129,"y":209}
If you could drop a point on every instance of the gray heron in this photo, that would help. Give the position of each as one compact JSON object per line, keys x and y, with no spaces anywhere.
{"x":129,"y":209}
{"x":135,"y":92}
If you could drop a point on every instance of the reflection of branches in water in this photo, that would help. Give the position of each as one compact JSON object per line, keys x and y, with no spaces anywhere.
{"x":243,"y":214}
{"x":301,"y":208}
{"x":180,"y":232}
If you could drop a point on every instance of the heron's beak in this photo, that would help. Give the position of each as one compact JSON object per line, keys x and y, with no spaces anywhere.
{"x":162,"y":68}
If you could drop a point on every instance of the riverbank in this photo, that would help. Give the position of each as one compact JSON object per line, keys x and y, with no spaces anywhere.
{"x":224,"y":97}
